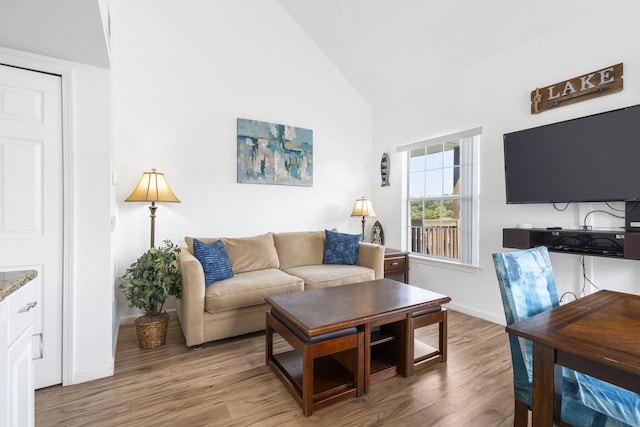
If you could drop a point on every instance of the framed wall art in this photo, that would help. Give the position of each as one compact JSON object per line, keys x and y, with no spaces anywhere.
{"x":271,"y":153}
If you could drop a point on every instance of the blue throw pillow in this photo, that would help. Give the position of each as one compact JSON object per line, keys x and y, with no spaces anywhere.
{"x":214,"y":259}
{"x":341,"y":248}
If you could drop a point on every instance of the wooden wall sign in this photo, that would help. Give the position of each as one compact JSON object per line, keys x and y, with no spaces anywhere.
{"x":592,"y":85}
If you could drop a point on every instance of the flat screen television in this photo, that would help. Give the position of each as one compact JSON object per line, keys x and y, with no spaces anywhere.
{"x":589,"y":159}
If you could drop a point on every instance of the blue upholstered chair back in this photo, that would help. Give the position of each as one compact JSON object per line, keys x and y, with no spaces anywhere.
{"x":527,"y":287}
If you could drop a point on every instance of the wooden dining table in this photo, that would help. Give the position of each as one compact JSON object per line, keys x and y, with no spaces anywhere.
{"x":598,"y":335}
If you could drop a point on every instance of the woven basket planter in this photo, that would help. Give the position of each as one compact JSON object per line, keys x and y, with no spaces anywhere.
{"x":152,"y":331}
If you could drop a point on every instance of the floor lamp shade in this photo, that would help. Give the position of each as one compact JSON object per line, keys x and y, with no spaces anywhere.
{"x":363,"y":208}
{"x":152,"y":187}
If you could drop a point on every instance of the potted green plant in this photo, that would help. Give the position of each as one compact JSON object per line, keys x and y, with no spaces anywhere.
{"x":147,"y":284}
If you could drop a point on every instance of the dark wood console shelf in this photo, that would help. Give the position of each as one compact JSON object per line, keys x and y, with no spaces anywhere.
{"x":604,"y":243}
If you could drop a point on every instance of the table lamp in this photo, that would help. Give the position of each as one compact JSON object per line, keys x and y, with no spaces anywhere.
{"x":153,"y":187}
{"x":364,"y":209}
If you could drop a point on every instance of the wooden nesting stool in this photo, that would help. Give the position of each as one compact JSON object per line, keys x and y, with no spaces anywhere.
{"x":423,"y":354}
{"x":314,"y":379}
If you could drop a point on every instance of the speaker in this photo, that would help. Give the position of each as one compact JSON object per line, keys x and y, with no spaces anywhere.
{"x":632,"y":215}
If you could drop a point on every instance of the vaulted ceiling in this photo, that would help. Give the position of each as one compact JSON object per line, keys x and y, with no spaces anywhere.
{"x":389,"y":48}
{"x":386,"y":48}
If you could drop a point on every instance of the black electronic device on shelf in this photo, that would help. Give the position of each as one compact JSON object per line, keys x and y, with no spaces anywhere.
{"x":632,"y":215}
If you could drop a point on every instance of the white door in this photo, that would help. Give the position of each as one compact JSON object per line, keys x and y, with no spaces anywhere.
{"x":31,"y":203}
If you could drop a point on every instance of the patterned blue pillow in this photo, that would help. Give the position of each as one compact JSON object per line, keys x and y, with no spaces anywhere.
{"x":341,"y":248}
{"x":214,"y":259}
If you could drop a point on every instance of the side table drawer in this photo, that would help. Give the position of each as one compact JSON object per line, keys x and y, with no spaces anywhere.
{"x":395,"y":264}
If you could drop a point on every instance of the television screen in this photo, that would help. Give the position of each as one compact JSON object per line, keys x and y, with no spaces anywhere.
{"x":590,"y":159}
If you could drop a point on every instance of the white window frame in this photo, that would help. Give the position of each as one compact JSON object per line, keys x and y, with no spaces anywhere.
{"x":469,"y":213}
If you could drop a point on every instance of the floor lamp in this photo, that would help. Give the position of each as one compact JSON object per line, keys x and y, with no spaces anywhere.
{"x":153,"y":187}
{"x":364,"y":209}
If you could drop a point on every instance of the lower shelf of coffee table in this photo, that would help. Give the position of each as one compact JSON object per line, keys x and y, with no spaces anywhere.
{"x":423,"y":350}
{"x":382,"y":369}
{"x":385,"y":355}
{"x":330,"y":378}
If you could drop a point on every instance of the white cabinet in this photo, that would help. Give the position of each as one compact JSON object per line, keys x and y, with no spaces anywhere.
{"x":16,"y":378}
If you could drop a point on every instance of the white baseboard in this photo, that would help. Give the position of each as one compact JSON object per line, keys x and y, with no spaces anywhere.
{"x":489,"y":317}
{"x":106,"y":370}
{"x":115,"y":339}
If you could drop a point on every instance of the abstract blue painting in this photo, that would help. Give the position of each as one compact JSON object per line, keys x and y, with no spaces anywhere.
{"x":270,"y":153}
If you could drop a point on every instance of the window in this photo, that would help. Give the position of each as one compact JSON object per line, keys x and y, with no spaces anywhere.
{"x":442,"y":197}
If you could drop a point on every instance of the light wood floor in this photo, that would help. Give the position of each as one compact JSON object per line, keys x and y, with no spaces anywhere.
{"x":227,"y":384}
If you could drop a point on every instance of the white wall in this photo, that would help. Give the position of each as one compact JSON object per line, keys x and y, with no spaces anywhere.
{"x":495,"y":94}
{"x":92,"y":293}
{"x":183,"y":72}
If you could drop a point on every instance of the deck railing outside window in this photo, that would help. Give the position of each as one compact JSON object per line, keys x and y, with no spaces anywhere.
{"x":436,"y":237}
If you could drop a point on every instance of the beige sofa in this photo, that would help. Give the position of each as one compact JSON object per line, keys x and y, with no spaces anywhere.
{"x":265,"y":265}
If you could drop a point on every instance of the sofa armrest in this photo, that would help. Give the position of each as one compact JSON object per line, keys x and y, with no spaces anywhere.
{"x":190,"y":308}
{"x":372,"y":256}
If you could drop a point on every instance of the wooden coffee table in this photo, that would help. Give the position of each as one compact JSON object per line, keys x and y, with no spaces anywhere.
{"x":344,"y":338}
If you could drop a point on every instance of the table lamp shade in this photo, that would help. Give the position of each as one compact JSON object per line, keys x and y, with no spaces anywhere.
{"x":363,"y":207}
{"x":152,"y":187}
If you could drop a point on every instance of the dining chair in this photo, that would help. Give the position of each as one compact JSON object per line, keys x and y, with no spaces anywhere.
{"x":528,"y":287}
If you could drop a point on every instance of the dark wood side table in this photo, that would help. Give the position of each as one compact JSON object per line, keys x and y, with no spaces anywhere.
{"x":396,"y":265}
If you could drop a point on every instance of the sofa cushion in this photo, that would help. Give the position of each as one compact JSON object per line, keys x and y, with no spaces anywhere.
{"x":341,"y":248}
{"x":327,"y":275}
{"x":246,"y":253}
{"x":249,"y":288}
{"x":299,"y":248}
{"x":189,"y":240}
{"x":252,"y":253}
{"x":214,"y":259}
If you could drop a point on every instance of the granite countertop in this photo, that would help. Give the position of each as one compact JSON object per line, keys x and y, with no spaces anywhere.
{"x":11,"y":281}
